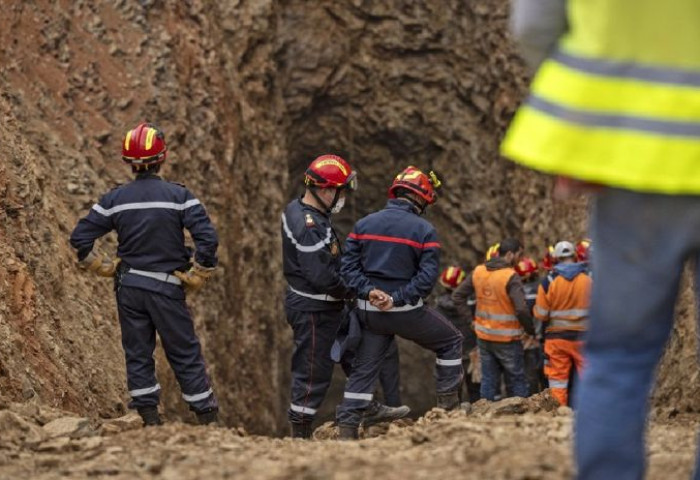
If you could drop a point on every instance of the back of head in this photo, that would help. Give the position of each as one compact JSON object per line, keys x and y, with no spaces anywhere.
{"x":509,"y":245}
{"x":564,"y":251}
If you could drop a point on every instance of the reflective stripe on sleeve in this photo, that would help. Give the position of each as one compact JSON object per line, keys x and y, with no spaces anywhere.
{"x":304,"y":410}
{"x":139,"y":392}
{"x":198,"y":396}
{"x":305,"y":248}
{"x":145,"y":205}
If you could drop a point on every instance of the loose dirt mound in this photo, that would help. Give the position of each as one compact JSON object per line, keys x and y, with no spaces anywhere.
{"x":504,"y":440}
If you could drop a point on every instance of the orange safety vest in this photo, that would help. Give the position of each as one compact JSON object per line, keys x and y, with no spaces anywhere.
{"x":564,"y":306}
{"x":495,"y":318}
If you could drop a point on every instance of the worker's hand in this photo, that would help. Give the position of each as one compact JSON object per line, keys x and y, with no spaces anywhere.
{"x":377,"y":296}
{"x":474,"y":369}
{"x":529,"y":342}
{"x":195,"y":278}
{"x":386,"y":305}
{"x":102,"y":266}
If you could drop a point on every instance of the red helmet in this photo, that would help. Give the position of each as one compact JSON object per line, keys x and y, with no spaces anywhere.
{"x":144,"y":145}
{"x":451,"y":277}
{"x":417,"y":182}
{"x":492,"y":252}
{"x":583,"y":250}
{"x":548,"y":260}
{"x":526,"y":267}
{"x":330,"y":171}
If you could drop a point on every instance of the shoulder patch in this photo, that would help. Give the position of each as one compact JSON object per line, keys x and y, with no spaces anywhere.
{"x":309,"y":220}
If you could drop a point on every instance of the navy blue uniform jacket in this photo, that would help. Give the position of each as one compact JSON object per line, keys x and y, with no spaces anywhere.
{"x":395,"y":250}
{"x":311,"y":258}
{"x":149,"y":215}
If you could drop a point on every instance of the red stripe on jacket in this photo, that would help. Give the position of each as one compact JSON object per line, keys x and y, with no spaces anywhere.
{"x":404,"y":241}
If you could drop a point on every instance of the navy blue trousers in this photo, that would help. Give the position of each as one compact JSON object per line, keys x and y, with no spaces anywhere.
{"x":312,"y":366}
{"x":424,"y":326}
{"x":143,"y":313}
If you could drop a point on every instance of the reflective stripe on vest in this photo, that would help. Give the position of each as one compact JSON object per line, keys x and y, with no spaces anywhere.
{"x":619,"y":102}
{"x":559,"y":324}
{"x":494,"y":319}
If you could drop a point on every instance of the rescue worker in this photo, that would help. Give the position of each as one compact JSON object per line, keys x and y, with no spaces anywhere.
{"x":392,"y":262}
{"x":532,"y":345}
{"x":316,"y":294}
{"x":451,"y":278}
{"x":562,"y":305}
{"x":154,"y":273}
{"x":614,"y":112}
{"x":501,"y":317}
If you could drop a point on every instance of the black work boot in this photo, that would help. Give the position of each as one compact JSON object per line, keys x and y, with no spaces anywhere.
{"x":347,"y":432}
{"x":150,"y":416}
{"x":378,"y":413}
{"x":208,"y":417}
{"x":448,"y":401}
{"x":301,"y":430}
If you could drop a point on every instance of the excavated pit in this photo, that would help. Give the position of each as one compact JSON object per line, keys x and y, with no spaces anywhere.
{"x":248,"y":93}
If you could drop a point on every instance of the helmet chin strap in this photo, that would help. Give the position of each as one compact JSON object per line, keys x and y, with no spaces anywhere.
{"x":328,"y":208}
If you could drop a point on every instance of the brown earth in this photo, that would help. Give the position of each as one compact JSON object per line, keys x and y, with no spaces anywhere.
{"x":511,"y":439}
{"x":248,"y":92}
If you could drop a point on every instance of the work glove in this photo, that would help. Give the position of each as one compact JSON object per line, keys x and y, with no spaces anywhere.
{"x":474,"y":368}
{"x":195,"y":278}
{"x":102,"y":266}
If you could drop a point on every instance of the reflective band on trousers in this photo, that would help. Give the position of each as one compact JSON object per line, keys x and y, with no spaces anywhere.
{"x":616,"y":121}
{"x":198,"y":396}
{"x":448,"y":363}
{"x":368,"y":307}
{"x":558,"y":383}
{"x":358,"y":396}
{"x":139,"y":392}
{"x":498,"y":317}
{"x":559,"y":323}
{"x":498,"y":332}
{"x":304,"y":410}
{"x":316,"y":296}
{"x":163,"y":277}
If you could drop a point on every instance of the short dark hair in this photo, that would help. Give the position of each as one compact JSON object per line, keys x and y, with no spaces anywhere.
{"x":509,"y":245}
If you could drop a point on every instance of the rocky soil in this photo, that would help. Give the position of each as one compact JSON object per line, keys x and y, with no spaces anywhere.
{"x":248,"y":92}
{"x":511,"y":439}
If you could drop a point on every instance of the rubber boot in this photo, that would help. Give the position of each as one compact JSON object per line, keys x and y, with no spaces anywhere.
{"x":348,"y":432}
{"x":378,"y":413}
{"x":150,"y":416}
{"x":448,"y":401}
{"x":208,"y":417}
{"x":301,"y":430}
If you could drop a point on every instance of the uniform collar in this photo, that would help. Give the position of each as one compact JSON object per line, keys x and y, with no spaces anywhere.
{"x":306,"y":205}
{"x":395,"y":203}
{"x":147,"y":176}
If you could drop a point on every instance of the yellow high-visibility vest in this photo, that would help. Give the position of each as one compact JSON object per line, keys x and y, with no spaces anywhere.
{"x":618,"y":102}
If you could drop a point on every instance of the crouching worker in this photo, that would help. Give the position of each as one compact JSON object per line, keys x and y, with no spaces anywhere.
{"x":153,"y":273}
{"x":392,"y":262}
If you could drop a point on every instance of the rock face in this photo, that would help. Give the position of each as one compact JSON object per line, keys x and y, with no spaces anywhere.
{"x":247,"y":92}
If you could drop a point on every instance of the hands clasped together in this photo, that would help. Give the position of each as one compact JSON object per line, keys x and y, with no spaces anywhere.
{"x":381,"y":300}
